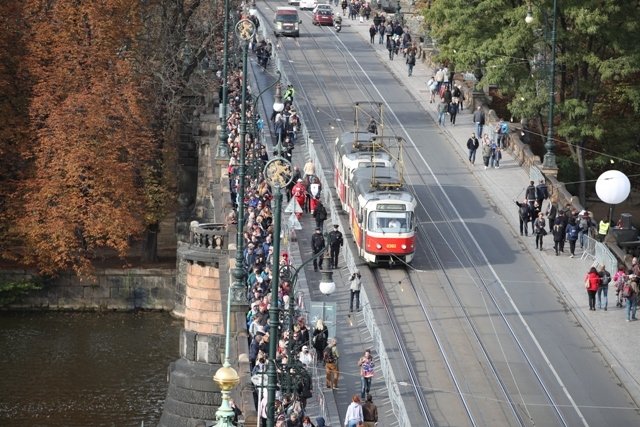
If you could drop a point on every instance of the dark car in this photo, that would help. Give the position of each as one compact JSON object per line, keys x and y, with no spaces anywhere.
{"x":323,"y":17}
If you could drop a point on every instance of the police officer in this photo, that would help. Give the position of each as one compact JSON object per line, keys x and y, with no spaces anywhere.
{"x":335,"y":242}
{"x":317,"y":245}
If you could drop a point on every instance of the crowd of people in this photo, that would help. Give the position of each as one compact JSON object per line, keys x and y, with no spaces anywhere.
{"x":299,"y":348}
{"x":625,"y":284}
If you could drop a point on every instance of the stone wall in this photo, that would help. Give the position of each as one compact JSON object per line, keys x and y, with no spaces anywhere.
{"x":112,"y":289}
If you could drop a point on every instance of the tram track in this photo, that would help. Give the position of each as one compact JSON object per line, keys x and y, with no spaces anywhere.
{"x":466,"y":261}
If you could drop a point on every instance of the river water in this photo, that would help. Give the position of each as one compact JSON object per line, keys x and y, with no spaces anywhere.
{"x":85,"y":369}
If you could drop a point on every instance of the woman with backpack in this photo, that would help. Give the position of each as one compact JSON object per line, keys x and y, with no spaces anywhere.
{"x":591,"y":284}
{"x":603,"y":289}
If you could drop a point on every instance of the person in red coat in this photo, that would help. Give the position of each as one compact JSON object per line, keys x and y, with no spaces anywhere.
{"x":591,"y":283}
{"x":299,"y":191}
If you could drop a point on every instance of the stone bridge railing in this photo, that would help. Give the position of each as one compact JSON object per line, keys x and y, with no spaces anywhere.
{"x":207,"y":240}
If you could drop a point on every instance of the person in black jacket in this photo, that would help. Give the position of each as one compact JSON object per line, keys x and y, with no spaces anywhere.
{"x":320,"y":214}
{"x":335,"y":242}
{"x":317,"y":245}
{"x":531,"y":194}
{"x":472,"y":145}
{"x":524,"y":213}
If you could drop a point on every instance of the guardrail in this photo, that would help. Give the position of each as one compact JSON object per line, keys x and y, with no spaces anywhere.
{"x":600,"y":254}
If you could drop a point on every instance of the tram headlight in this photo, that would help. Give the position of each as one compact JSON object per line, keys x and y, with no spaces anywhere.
{"x":403,"y":246}
{"x":378,"y":246}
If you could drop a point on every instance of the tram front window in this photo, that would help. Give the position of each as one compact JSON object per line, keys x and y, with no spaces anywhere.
{"x":390,"y":222}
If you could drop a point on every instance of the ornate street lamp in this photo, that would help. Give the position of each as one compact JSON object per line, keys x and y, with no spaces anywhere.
{"x":245,"y":29}
{"x":549,"y":161}
{"x":278,"y":173}
{"x":223,"y":149}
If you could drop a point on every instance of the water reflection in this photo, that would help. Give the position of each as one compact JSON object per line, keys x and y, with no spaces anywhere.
{"x":81,"y":369}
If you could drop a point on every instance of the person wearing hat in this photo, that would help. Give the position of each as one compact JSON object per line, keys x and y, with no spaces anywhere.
{"x":317,"y":245}
{"x":335,"y":242}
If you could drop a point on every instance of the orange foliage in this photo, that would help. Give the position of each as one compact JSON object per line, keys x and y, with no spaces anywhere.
{"x":90,"y":127}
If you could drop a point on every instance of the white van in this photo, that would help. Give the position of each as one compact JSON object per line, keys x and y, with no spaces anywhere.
{"x":307,"y":4}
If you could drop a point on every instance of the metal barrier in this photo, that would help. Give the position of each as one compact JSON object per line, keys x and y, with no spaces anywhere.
{"x":600,"y":254}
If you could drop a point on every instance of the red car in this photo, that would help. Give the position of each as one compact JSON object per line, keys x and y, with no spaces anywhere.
{"x":323,"y":17}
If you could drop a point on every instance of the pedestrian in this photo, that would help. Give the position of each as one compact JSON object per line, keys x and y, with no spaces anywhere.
{"x":442,"y":111}
{"x":630,"y":292}
{"x":381,"y":31}
{"x":366,"y":373}
{"x":472,"y":145}
{"x":317,"y":245}
{"x":539,"y":228}
{"x":558,"y":236}
{"x":369,"y":412}
{"x":496,"y":157}
{"x":330,"y":356}
{"x":603,"y":229}
{"x":354,"y":412}
{"x":591,"y":284}
{"x":391,"y":46}
{"x":354,"y":290}
{"x":306,"y":422}
{"x":572,"y":236}
{"x":530,"y":193}
{"x":411,"y":61}
{"x":603,"y":288}
{"x":542,"y":192}
{"x":305,"y":357}
{"x":619,"y":279}
{"x":486,"y":151}
{"x":552,"y":213}
{"x":320,"y":215}
{"x":453,"y":112}
{"x":372,"y":33}
{"x":320,"y":337}
{"x":432,"y":87}
{"x":335,"y":242}
{"x":478,"y":119}
{"x":524,"y":214}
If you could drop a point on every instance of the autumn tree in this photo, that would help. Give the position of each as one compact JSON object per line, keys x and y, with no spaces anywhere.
{"x":91,"y":133}
{"x":14,"y":115}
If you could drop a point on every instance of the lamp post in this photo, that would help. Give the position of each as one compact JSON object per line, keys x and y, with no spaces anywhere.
{"x":278,"y":173}
{"x":549,"y":161}
{"x":245,"y":30}
{"x":223,"y":149}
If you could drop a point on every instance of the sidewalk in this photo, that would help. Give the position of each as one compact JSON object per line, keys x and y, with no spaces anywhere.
{"x":616,"y":339}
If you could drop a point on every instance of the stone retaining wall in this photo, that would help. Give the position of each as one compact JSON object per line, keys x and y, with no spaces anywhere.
{"x":112,"y":289}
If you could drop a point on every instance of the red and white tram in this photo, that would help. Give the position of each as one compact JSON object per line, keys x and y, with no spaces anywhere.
{"x":382,"y":216}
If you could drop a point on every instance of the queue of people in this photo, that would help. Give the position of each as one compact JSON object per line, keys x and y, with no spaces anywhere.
{"x":307,"y":346}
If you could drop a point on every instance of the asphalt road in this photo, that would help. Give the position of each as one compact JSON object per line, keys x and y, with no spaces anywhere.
{"x":534,"y":343}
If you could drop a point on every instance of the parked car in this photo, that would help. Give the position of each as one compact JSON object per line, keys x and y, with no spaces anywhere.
{"x":323,"y":17}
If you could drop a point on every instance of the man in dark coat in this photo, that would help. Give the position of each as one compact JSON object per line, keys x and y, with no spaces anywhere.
{"x":317,"y":245}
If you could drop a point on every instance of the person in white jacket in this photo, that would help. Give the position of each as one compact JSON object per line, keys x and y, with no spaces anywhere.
{"x":354,"y":412}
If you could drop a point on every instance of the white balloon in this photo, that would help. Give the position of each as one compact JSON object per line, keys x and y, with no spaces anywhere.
{"x":613,"y":187}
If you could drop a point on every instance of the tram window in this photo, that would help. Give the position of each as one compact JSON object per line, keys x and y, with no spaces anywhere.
{"x":394,"y":222}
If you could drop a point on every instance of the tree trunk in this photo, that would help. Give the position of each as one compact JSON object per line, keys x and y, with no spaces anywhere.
{"x":150,"y":244}
{"x":582,"y":185}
